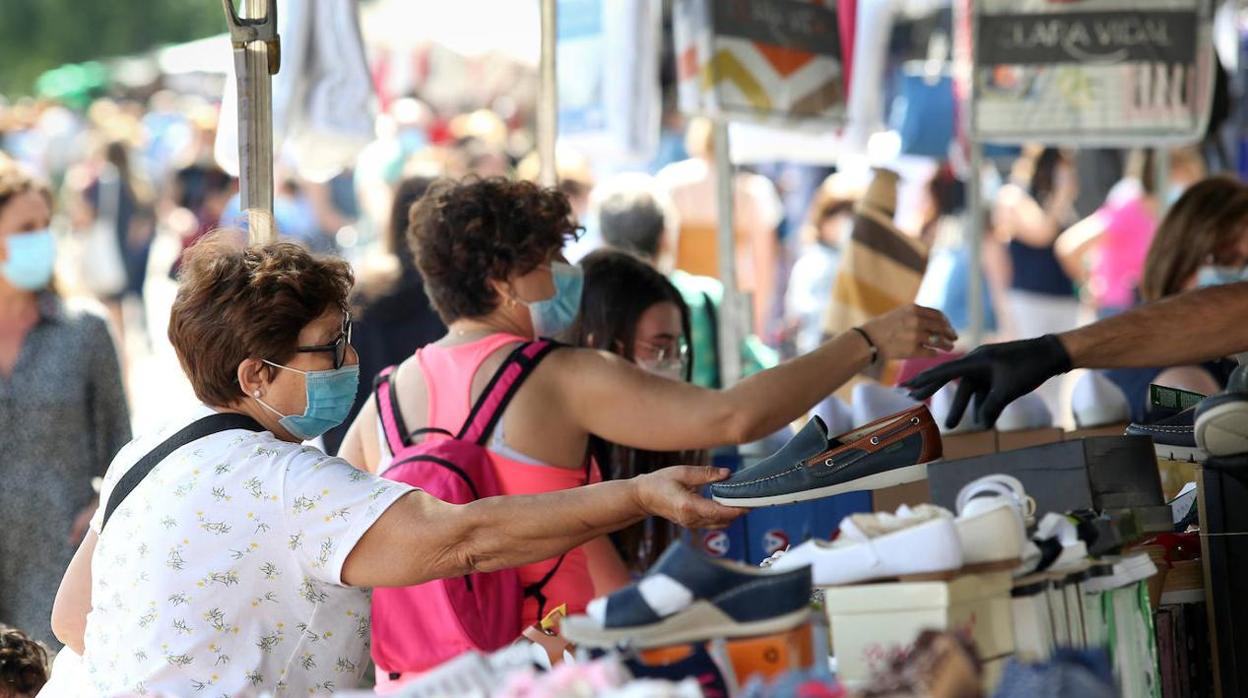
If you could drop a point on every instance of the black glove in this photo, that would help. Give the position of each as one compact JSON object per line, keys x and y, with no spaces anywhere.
{"x":995,"y":374}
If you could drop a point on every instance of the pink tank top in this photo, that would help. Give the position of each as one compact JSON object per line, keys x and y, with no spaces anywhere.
{"x":448,"y":373}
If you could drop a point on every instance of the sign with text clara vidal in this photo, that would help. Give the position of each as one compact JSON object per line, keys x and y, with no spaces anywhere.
{"x":1092,"y":72}
{"x":765,"y":61}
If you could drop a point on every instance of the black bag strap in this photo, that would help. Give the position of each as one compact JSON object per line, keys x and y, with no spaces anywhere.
{"x":537,"y":589}
{"x":206,"y":426}
{"x":715,"y":348}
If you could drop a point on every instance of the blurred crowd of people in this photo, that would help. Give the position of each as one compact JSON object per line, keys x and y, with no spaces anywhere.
{"x":125,"y":187}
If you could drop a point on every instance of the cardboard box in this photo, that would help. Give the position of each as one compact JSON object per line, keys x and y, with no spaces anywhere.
{"x":1014,"y":440}
{"x":910,"y":494}
{"x":1100,"y":473}
{"x":1110,"y":430}
{"x":871,"y":622}
{"x":968,"y":444}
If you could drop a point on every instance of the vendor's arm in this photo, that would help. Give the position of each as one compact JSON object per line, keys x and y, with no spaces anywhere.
{"x":1185,"y":329}
{"x":420,"y":538}
{"x":1189,"y":328}
{"x":73,"y":598}
{"x":612,"y":398}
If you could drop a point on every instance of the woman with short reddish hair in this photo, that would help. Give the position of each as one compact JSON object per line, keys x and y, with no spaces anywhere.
{"x":228,"y":557}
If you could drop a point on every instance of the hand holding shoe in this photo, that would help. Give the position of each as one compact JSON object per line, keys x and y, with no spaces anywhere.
{"x":995,"y":375}
{"x":672,"y":494}
{"x":911,"y":330}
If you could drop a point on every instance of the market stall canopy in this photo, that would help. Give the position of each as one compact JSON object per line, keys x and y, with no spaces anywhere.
{"x":471,"y":28}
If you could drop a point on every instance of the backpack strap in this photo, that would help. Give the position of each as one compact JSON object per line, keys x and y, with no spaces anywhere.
{"x":388,"y":409}
{"x":537,"y":589}
{"x":502,"y":388}
{"x":206,"y":426}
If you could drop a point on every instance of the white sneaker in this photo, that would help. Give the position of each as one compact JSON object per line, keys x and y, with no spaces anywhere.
{"x":872,"y":401}
{"x":836,"y":415}
{"x":942,"y":403}
{"x":1097,"y":402}
{"x":922,"y":540}
{"x":1027,"y":412}
{"x":1055,"y":529}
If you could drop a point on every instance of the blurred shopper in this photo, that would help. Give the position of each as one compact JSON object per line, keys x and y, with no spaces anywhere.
{"x":120,"y":201}
{"x":945,"y":283}
{"x":239,"y":561}
{"x":630,"y":310}
{"x":392,"y":314}
{"x":490,"y":255}
{"x":61,"y":403}
{"x":636,"y":215}
{"x":1202,"y":241}
{"x":1029,"y":213}
{"x":1105,"y":252}
{"x":823,"y":235}
{"x":757,"y":209}
{"x":576,"y":181}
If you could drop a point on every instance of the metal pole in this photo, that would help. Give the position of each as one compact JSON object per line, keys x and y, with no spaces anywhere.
{"x":732,"y":310}
{"x":975,"y":239}
{"x":548,"y":98}
{"x":257,"y":57}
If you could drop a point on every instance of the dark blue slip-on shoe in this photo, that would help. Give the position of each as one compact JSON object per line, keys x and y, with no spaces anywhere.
{"x":889,"y":451}
{"x":1174,"y":438}
{"x":690,"y":597}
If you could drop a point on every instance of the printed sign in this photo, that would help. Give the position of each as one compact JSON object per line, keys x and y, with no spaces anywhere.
{"x":1091,"y":72}
{"x":716,"y":543}
{"x":775,"y":540}
{"x":760,"y":60}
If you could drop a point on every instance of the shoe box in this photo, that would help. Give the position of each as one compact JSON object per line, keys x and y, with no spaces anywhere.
{"x":767,"y":656}
{"x":872,"y":623}
{"x":1115,"y":475}
{"x":764,"y":531}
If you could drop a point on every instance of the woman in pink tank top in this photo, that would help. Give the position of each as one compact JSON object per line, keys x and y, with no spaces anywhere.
{"x":490,"y":255}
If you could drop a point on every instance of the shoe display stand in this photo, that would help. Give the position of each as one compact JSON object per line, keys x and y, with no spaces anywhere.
{"x":1223,"y":492}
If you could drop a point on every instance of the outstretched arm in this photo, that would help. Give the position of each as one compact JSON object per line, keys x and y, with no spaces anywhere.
{"x":1185,"y":329}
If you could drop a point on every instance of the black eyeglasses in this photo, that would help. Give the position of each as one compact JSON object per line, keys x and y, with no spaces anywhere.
{"x":339,"y":346}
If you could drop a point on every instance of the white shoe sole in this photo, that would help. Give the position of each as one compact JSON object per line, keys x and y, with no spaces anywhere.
{"x":699,"y":622}
{"x":1182,"y":454}
{"x":888,"y":478}
{"x":993,"y":538}
{"x":1223,"y":430}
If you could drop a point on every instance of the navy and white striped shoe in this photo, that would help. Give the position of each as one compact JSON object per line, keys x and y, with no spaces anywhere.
{"x":690,"y":597}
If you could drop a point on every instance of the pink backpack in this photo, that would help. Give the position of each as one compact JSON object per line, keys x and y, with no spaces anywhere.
{"x":419,"y":627}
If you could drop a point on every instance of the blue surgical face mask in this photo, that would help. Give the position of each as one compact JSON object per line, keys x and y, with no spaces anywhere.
{"x":1211,"y":275}
{"x":330,"y":396}
{"x":31,"y":259}
{"x":556,"y":314}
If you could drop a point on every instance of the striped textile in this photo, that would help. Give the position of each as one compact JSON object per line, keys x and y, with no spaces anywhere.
{"x":880,"y":270}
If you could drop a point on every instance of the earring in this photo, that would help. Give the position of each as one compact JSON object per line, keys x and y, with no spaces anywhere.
{"x":256,"y":394}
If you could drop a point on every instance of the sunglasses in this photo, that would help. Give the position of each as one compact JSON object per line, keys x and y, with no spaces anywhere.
{"x":338,"y":347}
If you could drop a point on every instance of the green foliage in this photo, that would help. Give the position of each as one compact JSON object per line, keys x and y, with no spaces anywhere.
{"x":38,"y":35}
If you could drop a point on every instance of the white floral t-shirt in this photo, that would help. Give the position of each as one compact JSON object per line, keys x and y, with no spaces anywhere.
{"x":220,"y":574}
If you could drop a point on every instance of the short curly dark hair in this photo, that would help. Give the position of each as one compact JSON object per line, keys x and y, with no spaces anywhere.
{"x":237,"y":303}
{"x":465,"y":234}
{"x":23,"y":663}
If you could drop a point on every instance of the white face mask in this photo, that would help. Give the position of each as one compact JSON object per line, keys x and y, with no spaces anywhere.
{"x":672,"y":369}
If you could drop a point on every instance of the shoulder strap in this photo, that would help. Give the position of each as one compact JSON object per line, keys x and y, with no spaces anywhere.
{"x":195,"y":431}
{"x":502,"y":388}
{"x":714,"y":320}
{"x":388,"y":410}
